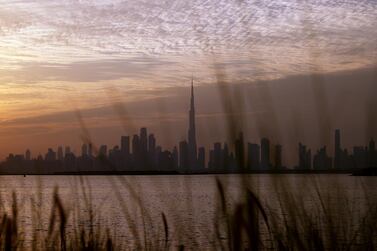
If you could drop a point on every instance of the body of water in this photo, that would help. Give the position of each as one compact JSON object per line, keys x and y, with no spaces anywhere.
{"x":134,"y":204}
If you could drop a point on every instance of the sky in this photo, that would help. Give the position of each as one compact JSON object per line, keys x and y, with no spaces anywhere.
{"x":127,"y":64}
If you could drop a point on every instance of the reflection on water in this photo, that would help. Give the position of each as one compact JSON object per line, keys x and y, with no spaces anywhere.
{"x":189,"y":202}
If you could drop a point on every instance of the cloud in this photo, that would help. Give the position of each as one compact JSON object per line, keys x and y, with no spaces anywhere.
{"x":88,"y":71}
{"x":94,"y":29}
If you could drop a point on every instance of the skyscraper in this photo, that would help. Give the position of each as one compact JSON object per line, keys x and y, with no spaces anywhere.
{"x":143,"y":160}
{"x":226,"y":156}
{"x":84,"y":150}
{"x":28,"y":154}
{"x":240,"y":151}
{"x":192,"y":149}
{"x":321,"y":161}
{"x":360,"y":156}
{"x":372,"y":155}
{"x":183,"y":155}
{"x":201,"y":158}
{"x":151,"y":144}
{"x":67,"y":150}
{"x":60,"y":153}
{"x":50,"y":155}
{"x":305,"y":157}
{"x":151,"y":151}
{"x":102,"y":151}
{"x":125,"y":145}
{"x":337,"y":154}
{"x":136,"y":150}
{"x":217,"y":151}
{"x":254,"y":156}
{"x":265,"y":154}
{"x":90,"y":150}
{"x":143,"y":141}
{"x":175,"y":158}
{"x":277,"y":157}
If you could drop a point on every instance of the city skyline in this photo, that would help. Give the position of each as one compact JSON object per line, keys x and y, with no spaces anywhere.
{"x":103,"y":57}
{"x":135,"y":156}
{"x":142,"y":153}
{"x":270,"y":110}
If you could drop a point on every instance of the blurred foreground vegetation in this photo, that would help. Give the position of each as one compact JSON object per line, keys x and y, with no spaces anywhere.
{"x":331,"y":223}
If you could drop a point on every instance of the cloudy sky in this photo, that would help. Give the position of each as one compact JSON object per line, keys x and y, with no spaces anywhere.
{"x":111,"y":58}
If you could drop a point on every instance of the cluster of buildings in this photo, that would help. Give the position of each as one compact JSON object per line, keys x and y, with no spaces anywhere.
{"x":142,"y":154}
{"x":360,"y":157}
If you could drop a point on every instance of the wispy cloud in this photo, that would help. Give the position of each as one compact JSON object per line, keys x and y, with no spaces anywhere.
{"x":87,"y":71}
{"x":76,"y":30}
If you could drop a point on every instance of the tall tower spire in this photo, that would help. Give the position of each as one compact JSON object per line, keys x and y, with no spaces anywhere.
{"x":192,"y":103}
{"x":192,"y":131}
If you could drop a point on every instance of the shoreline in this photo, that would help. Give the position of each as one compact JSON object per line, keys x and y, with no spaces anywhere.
{"x":173,"y":173}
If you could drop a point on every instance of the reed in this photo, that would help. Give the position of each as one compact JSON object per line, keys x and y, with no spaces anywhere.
{"x":248,"y":224}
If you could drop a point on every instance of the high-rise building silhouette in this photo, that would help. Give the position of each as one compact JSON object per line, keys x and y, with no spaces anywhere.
{"x":151,"y":143}
{"x":50,"y":155}
{"x":201,"y":158}
{"x":135,"y":150}
{"x":304,"y":157}
{"x":143,"y":141}
{"x":60,"y":153}
{"x":372,"y":156}
{"x":278,"y":157}
{"x":125,"y":145}
{"x":211,"y":160}
{"x":183,"y":155}
{"x":265,"y":154}
{"x":175,"y":158}
{"x":90,"y":150}
{"x":321,"y":161}
{"x":240,"y":151}
{"x":158,"y":155}
{"x":84,"y":150}
{"x":152,"y":151}
{"x":360,"y":156}
{"x":192,"y":148}
{"x":226,"y":156}
{"x":338,"y":151}
{"x":67,"y":150}
{"x":253,"y":156}
{"x":217,"y":160}
{"x":143,"y":160}
{"x":27,"y":154}
{"x":115,"y":157}
{"x":102,"y":151}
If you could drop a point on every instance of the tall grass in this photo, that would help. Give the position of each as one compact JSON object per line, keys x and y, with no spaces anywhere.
{"x":283,"y":222}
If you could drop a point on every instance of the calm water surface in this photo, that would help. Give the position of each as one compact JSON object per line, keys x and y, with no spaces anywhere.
{"x":189,"y":202}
